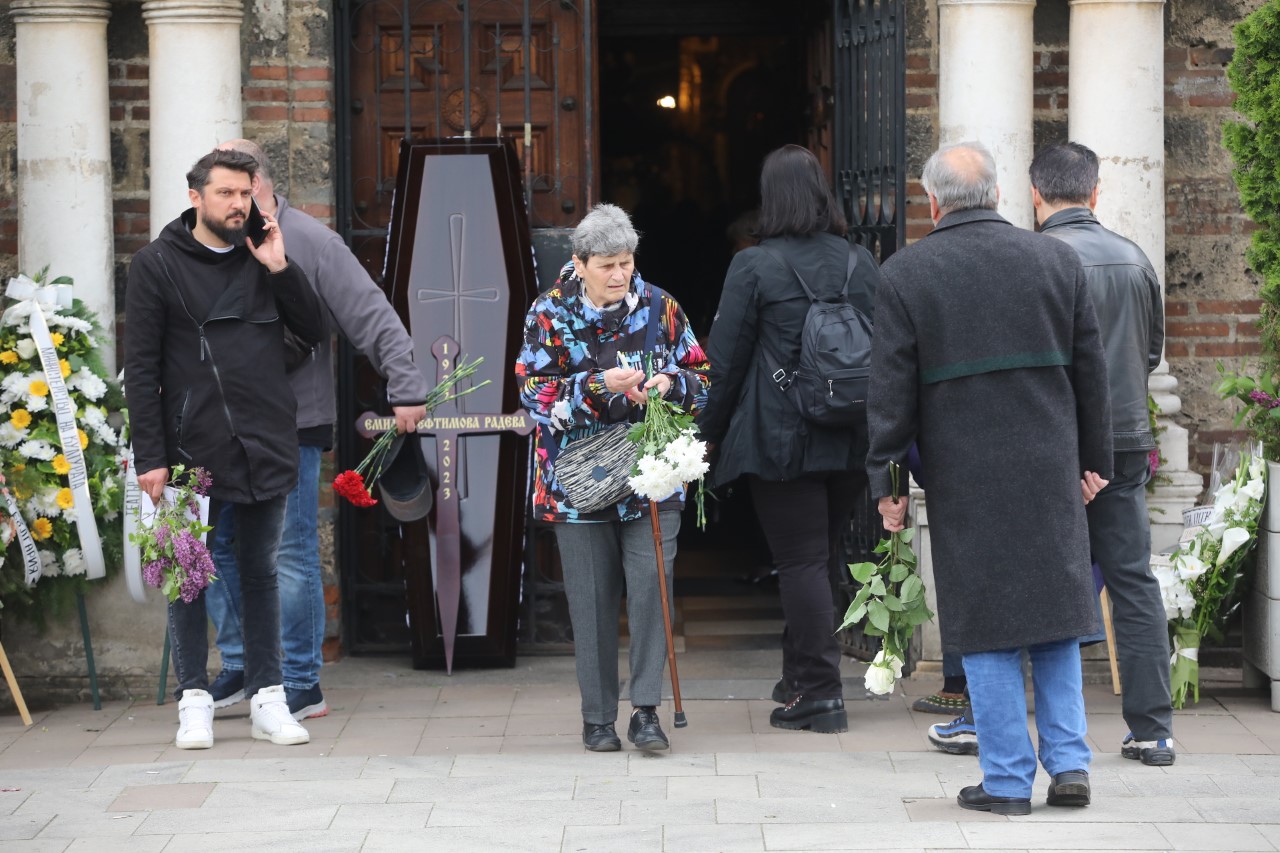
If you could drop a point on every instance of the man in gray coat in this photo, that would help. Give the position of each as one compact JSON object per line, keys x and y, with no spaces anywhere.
{"x":1130,"y":306}
{"x":357,"y":308}
{"x":987,"y":354}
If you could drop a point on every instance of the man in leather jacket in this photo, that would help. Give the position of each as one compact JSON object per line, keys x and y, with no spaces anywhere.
{"x":1128,"y":299}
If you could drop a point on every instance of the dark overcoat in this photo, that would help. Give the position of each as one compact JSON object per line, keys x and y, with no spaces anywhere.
{"x":756,"y":429}
{"x":987,"y":353}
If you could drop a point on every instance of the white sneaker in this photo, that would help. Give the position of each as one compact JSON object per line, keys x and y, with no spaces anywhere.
{"x":195,"y":720}
{"x":269,"y":713}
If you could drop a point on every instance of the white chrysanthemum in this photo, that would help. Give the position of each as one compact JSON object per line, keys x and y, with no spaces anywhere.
{"x":95,"y":423}
{"x":46,"y":501}
{"x":687,"y":455}
{"x":49,"y":567}
{"x":657,"y":479}
{"x":26,"y":348}
{"x":10,"y":435}
{"x":62,"y":321}
{"x":37,"y":449}
{"x":73,"y":564}
{"x":90,"y":385}
{"x":14,"y":386}
{"x":37,"y":404}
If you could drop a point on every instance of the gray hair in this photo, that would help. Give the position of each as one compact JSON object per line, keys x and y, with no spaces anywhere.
{"x":605,"y":231}
{"x":254,"y":150}
{"x":961,"y":177}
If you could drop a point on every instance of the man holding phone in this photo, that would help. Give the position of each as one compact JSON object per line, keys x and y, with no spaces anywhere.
{"x":360,"y":310}
{"x":206,"y":386}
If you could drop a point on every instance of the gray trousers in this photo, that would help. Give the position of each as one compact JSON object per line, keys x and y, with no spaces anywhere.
{"x":597,"y":559}
{"x":1120,"y":538}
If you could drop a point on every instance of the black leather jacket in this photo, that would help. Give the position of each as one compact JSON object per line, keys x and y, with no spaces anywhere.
{"x":1130,"y":306}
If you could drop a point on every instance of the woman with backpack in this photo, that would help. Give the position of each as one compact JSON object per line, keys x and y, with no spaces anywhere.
{"x":803,"y":465}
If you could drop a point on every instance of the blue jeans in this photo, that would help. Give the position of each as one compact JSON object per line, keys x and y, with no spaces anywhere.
{"x":998,"y":696}
{"x":301,"y":589}
{"x":256,"y":545}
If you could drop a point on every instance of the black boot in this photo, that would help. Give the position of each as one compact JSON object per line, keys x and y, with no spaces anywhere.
{"x":974,"y":797}
{"x":816,"y":715}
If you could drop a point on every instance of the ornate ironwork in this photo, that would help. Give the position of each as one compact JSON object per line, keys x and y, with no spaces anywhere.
{"x":870,"y":148}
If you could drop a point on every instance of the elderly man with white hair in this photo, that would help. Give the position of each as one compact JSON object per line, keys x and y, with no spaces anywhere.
{"x":987,"y":354}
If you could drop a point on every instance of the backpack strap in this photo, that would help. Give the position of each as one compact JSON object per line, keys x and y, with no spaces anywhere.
{"x":778,"y":374}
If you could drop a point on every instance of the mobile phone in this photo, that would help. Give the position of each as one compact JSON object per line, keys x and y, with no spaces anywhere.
{"x":255,"y":226}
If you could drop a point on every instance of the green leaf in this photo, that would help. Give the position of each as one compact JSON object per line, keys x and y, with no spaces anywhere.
{"x":912,"y":589}
{"x":852,"y":617}
{"x":872,"y":631}
{"x":883,"y":547}
{"x":906,"y":535}
{"x":863,"y":594}
{"x":898,"y":571}
{"x":877,"y":585}
{"x":894,"y":603}
{"x":862,"y":572}
{"x":878,"y":614}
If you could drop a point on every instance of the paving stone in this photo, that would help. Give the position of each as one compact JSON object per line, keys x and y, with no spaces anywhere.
{"x":1038,"y":835}
{"x":1106,"y":809}
{"x":86,"y":825}
{"x":1263,"y":765}
{"x":309,"y":840}
{"x":407,"y":767}
{"x":612,"y":839}
{"x":191,"y":795}
{"x":275,"y":770}
{"x":11,"y":798}
{"x":806,"y":810}
{"x":1238,"y":809}
{"x":478,"y":789}
{"x":364,"y":816}
{"x":1190,"y":763}
{"x":53,"y":801}
{"x":712,"y":787}
{"x":13,"y":827}
{"x":133,"y":775}
{"x":38,"y":845}
{"x":668,"y":812}
{"x":838,"y":786}
{"x":1248,"y":786}
{"x":696,"y":838}
{"x":1217,"y":836}
{"x":124,"y":844}
{"x":595,"y":764}
{"x":659,"y":764}
{"x":41,"y":778}
{"x":467,"y":839}
{"x":942,"y":809}
{"x":312,"y":792}
{"x":217,"y":820}
{"x":803,"y":764}
{"x":864,"y":836}
{"x":525,"y":813}
{"x":620,"y":788}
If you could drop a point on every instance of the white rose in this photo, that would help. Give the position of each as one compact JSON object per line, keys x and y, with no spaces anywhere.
{"x":26,"y":348}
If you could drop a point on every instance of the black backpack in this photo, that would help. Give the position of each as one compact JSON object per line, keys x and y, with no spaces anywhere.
{"x":829,"y":385}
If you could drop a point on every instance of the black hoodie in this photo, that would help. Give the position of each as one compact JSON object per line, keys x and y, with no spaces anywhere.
{"x":205,"y":363}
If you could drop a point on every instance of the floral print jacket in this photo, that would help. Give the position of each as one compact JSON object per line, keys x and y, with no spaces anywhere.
{"x":568,"y":344}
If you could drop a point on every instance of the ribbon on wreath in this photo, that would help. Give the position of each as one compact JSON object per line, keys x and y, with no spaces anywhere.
{"x":59,"y":296}
{"x":30,"y":554}
{"x":132,"y":553}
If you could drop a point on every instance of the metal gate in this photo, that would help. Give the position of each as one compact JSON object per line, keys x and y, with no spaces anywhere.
{"x":520,"y":69}
{"x":869,"y":139}
{"x":869,"y":164}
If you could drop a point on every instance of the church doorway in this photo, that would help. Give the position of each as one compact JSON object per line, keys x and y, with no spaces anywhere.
{"x":665,"y":107}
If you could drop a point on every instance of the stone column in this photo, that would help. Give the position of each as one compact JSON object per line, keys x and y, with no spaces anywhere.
{"x":195,"y":92}
{"x":985,"y":63}
{"x":64,"y":150}
{"x":1115,"y":102}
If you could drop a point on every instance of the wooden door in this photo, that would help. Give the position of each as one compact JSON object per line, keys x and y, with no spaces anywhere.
{"x":444,"y":68}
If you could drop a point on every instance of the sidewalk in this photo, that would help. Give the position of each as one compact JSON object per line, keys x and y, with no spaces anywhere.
{"x":492,"y":760}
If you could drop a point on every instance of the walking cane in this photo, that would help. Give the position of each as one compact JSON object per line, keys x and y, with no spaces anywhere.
{"x":680,"y":721}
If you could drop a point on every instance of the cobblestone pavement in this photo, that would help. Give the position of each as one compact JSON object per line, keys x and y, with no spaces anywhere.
{"x":492,"y":760}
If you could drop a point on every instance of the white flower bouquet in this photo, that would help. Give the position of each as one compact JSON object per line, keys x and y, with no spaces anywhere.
{"x":1199,"y":581}
{"x":669,"y":455}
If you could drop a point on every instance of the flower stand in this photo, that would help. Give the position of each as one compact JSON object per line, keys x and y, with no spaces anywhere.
{"x":1262,"y":603}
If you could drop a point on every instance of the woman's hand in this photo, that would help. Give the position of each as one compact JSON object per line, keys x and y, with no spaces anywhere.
{"x":661,"y":381}
{"x":624,"y":380}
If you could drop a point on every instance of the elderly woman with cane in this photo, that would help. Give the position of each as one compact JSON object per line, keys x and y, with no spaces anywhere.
{"x":596,"y":346}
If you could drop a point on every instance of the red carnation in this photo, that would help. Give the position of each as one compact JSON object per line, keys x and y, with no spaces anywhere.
{"x":350,"y":485}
